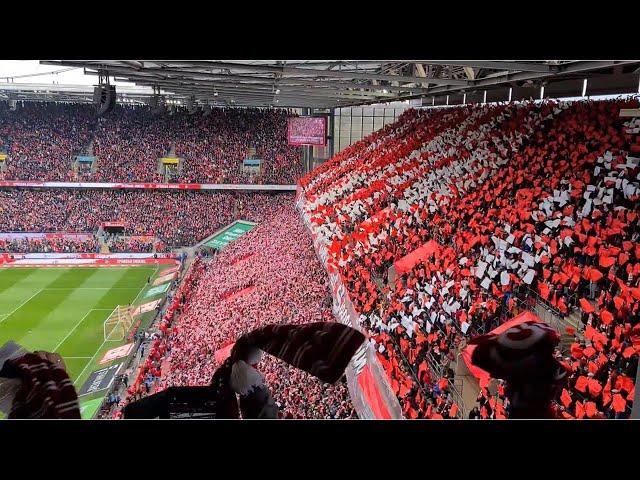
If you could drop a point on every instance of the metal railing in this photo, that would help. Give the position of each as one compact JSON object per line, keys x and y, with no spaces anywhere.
{"x":455,"y":393}
{"x":546,"y":311}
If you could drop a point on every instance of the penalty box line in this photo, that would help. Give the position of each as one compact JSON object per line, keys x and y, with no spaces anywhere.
{"x":77,"y":325}
{"x":20,"y":306}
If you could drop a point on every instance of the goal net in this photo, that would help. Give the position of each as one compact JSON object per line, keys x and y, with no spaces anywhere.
{"x":118,"y":324}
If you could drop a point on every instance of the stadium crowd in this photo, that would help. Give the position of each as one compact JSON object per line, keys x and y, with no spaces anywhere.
{"x":495,"y":203}
{"x":49,"y":245}
{"x":270,"y":275}
{"x":42,"y":140}
{"x":176,"y":218}
{"x":134,"y":244}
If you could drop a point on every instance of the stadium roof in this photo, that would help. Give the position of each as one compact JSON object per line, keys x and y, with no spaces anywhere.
{"x":327,"y":83}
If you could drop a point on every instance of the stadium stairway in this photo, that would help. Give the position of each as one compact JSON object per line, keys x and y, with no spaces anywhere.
{"x":470,"y":387}
{"x":104,"y":248}
{"x":166,"y":172}
{"x":5,"y":148}
{"x":565,"y":343}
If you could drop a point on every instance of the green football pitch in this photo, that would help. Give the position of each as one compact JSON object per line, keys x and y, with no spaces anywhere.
{"x":62,"y":310}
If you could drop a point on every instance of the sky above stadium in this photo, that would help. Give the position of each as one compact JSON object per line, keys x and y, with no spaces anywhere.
{"x":30,"y":71}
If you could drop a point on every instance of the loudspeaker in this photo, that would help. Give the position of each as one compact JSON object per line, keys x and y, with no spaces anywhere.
{"x":104,"y":97}
{"x":192,"y":106}
{"x":156,"y":102}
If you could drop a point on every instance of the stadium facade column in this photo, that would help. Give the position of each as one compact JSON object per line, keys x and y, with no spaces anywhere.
{"x":330,"y":128}
{"x":307,"y":150}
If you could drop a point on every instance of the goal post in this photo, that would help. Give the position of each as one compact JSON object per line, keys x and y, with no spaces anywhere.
{"x":117,"y":324}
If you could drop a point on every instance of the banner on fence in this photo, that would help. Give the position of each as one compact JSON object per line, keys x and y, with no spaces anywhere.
{"x":164,"y":278}
{"x":150,"y":186}
{"x":82,"y":262}
{"x":144,"y":308}
{"x":115,"y":353}
{"x":157,"y":290}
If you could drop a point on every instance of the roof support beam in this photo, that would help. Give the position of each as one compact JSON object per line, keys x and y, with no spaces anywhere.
{"x":189,"y":75}
{"x":496,"y":65}
{"x":222,"y":86}
{"x":322,"y":73}
{"x":231,"y":91}
{"x":470,"y":72}
{"x":576,"y":67}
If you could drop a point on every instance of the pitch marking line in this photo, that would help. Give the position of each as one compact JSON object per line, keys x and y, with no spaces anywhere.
{"x":20,"y":306}
{"x":72,"y":330}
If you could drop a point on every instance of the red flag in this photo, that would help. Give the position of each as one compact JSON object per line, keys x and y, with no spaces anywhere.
{"x":453,"y":411}
{"x":586,"y":305}
{"x":589,"y":331}
{"x":592,"y":274}
{"x":594,"y":387}
{"x":606,"y":316}
{"x":602,"y":359}
{"x":565,"y":398}
{"x":591,"y":409}
{"x":581,"y":384}
{"x":619,"y":404}
{"x":562,"y":306}
{"x":404,"y":345}
{"x":544,"y":290}
{"x":579,"y":410}
{"x":606,"y":394}
{"x":577,"y":351}
{"x":404,"y":390}
{"x":624,"y":383}
{"x":618,"y":302}
{"x":606,"y":262}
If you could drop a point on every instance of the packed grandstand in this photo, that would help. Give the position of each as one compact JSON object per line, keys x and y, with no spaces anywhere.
{"x":441,"y":226}
{"x":130,"y":140}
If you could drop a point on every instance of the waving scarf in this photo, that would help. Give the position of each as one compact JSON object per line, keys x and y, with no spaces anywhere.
{"x":322,"y":349}
{"x":46,"y":390}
